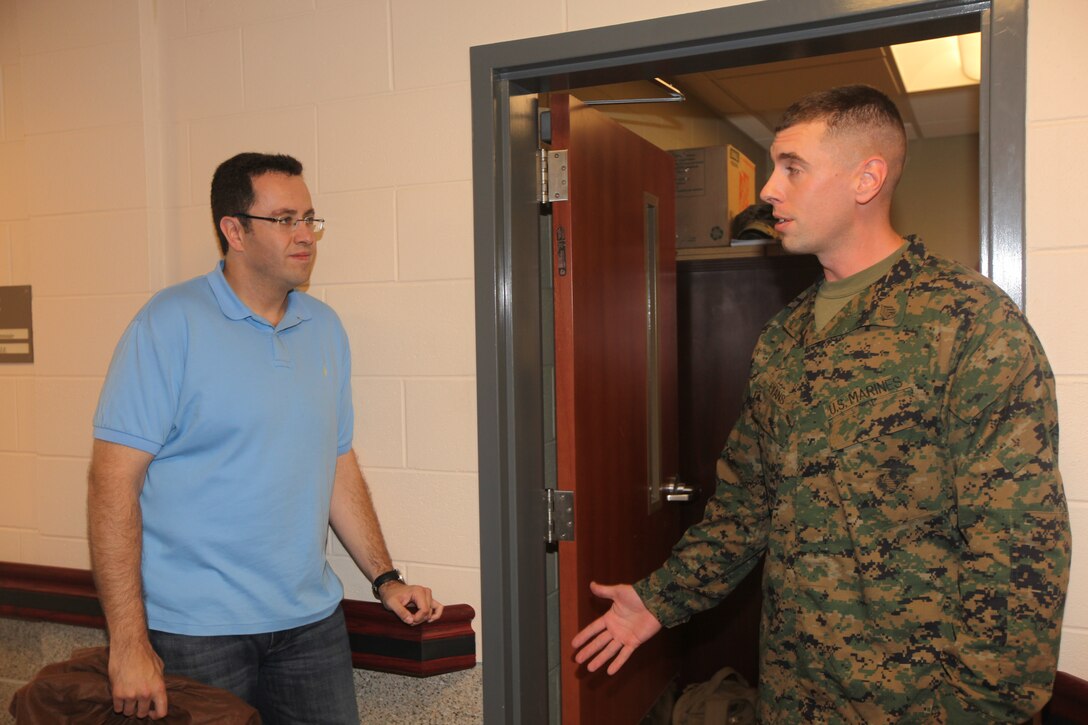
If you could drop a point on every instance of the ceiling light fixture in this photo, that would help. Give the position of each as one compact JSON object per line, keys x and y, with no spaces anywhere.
{"x":971,"y":55}
{"x":929,"y":65}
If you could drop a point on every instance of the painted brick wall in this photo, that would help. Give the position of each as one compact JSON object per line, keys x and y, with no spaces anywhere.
{"x":113,"y":114}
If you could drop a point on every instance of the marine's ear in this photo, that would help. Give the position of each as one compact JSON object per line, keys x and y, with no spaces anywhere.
{"x":872,"y":174}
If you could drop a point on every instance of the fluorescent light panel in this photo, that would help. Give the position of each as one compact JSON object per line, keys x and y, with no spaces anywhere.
{"x":929,"y":65}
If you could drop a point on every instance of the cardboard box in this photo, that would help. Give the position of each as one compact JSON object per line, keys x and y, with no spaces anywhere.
{"x":713,"y":185}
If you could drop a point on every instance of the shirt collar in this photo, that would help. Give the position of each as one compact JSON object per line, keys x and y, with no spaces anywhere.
{"x":233,"y":308}
{"x":882,"y":304}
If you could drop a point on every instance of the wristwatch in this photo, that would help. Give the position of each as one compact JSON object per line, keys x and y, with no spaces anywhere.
{"x":391,"y":575}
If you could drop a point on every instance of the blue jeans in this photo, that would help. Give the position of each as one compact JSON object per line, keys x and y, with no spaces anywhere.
{"x":296,"y":676}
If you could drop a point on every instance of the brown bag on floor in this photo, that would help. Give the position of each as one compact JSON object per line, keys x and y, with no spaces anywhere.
{"x":77,"y":692}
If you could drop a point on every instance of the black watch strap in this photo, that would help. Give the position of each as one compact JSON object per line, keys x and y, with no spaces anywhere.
{"x":391,"y":575}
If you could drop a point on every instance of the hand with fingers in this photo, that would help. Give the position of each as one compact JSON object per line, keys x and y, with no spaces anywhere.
{"x":413,"y":604}
{"x":617,"y":633}
{"x":136,"y":681}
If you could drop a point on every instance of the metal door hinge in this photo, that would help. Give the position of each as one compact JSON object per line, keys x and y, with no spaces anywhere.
{"x":559,"y":507}
{"x":553,"y":175}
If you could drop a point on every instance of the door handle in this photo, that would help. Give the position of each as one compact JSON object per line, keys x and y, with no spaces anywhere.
{"x":676,"y":492}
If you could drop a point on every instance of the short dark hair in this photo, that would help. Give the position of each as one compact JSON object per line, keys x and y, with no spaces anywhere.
{"x":854,"y":109}
{"x":232,"y":184}
{"x":845,"y":107}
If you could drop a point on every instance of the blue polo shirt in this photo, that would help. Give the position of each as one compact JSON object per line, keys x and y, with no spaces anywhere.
{"x":245,"y":422}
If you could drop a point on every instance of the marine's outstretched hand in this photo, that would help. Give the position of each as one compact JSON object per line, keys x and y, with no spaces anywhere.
{"x":617,"y":633}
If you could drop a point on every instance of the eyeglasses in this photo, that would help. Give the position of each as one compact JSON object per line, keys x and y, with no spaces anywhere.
{"x":315,"y":225}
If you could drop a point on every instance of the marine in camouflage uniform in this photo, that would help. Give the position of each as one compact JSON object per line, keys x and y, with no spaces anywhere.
{"x":899,"y":469}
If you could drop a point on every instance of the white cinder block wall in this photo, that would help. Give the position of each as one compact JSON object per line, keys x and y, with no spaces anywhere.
{"x":1057,"y":266}
{"x":113,"y":114}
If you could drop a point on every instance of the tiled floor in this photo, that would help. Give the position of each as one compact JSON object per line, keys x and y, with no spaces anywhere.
{"x":452,"y":699}
{"x":7,"y":689}
{"x":26,"y":647}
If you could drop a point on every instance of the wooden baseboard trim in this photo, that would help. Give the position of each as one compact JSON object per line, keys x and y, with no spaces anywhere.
{"x":379,"y":641}
{"x":1069,"y":701}
{"x":50,"y":594}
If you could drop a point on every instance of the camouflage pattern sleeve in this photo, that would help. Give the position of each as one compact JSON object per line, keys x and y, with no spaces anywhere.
{"x":1011,"y":514}
{"x":714,"y":555}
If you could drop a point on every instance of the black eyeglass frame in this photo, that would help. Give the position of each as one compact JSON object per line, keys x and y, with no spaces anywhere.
{"x":317,"y":225}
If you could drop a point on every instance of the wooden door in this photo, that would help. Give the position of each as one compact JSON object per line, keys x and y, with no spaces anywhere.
{"x":614,"y":276}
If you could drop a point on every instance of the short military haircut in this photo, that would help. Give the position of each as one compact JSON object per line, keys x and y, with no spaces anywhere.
{"x":857,"y":110}
{"x":232,"y":185}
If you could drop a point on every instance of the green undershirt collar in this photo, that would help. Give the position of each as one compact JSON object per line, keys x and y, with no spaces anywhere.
{"x":833,"y":296}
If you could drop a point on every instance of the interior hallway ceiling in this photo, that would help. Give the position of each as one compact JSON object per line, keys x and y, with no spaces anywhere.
{"x":754,"y":97}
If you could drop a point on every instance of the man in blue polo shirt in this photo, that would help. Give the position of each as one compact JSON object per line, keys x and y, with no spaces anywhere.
{"x":222,"y":454}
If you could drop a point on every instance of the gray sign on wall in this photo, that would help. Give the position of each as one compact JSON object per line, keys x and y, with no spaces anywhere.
{"x":16,"y":331}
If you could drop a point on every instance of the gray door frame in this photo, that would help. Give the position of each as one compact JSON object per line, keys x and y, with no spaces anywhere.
{"x":511,"y":413}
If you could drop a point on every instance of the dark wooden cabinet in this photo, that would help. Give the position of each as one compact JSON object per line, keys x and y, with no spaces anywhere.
{"x":722,"y":305}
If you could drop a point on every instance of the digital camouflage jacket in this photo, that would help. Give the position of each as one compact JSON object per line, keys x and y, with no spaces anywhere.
{"x":899,"y":469}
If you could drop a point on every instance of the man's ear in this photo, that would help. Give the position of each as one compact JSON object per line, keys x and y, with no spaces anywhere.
{"x":232,"y":230}
{"x":871,"y":177}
